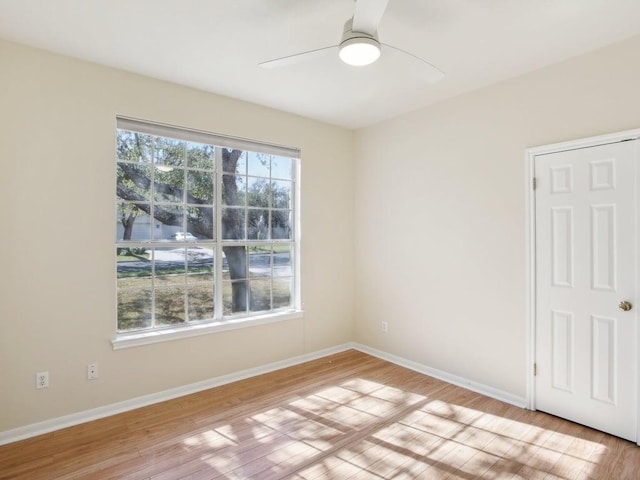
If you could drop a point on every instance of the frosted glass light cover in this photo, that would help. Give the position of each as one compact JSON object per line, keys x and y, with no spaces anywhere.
{"x":359,"y":51}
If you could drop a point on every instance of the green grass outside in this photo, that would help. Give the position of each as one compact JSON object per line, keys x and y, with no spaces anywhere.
{"x":134,"y":299}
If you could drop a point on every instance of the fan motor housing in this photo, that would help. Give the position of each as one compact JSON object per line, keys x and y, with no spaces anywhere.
{"x":349,"y":34}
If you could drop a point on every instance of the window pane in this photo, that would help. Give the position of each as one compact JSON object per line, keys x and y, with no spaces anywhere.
{"x":132,"y":223}
{"x":133,"y":267}
{"x":133,"y":182}
{"x":257,"y":224}
{"x":281,"y":224}
{"x":200,"y":156}
{"x":259,"y":261}
{"x":227,"y":302}
{"x":169,"y":152}
{"x":281,"y":168}
{"x":134,"y":147}
{"x":234,"y":265}
{"x":200,"y":265}
{"x":233,"y":224}
{"x":233,"y":189}
{"x":170,"y":305}
{"x":234,"y":268}
{"x":170,"y":266}
{"x":200,"y":299}
{"x":280,"y":194}
{"x":258,"y":192}
{"x":200,"y":289}
{"x":200,"y":222}
{"x":200,"y":187}
{"x":282,"y":266}
{"x":258,"y":164}
{"x":169,"y":220}
{"x":282,"y":288}
{"x":134,"y":309}
{"x":234,"y":161}
{"x":260,"y":295}
{"x":234,"y":297}
{"x":169,"y":186}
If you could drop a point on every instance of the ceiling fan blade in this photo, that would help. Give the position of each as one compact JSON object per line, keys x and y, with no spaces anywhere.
{"x":367,"y":15}
{"x":297,"y":57}
{"x":428,"y":71}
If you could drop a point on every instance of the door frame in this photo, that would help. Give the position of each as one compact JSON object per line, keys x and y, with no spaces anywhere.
{"x":530,"y":224}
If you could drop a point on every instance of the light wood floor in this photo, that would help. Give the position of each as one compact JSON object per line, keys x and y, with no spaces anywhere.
{"x":347,"y":416}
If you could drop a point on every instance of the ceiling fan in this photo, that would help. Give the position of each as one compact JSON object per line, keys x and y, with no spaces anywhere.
{"x":359,"y":45}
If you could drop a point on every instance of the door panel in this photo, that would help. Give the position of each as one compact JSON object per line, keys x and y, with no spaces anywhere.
{"x":586,"y":263}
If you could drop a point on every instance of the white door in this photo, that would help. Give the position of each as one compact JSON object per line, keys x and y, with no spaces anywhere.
{"x":586,"y":265}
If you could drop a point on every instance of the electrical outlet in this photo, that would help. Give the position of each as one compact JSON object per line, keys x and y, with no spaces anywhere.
{"x":92,"y":371}
{"x":384,"y":326}
{"x":42,"y":380}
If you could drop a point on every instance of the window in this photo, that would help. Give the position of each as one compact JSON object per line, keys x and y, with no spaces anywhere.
{"x":205,"y":229}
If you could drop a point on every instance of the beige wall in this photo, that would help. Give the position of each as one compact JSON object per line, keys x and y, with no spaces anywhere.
{"x":440,"y":212}
{"x":438,"y":225}
{"x":57,"y":306}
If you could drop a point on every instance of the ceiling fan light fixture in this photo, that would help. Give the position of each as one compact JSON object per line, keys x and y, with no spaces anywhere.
{"x":359,"y":51}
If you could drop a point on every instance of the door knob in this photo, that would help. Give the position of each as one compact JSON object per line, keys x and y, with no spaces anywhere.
{"x":625,"y":306}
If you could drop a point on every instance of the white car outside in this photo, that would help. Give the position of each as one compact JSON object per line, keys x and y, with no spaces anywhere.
{"x":184,"y":237}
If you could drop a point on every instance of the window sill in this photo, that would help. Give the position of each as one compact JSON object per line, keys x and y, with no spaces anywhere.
{"x":147,"y":338}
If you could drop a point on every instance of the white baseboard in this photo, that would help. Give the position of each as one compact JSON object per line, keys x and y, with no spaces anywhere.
{"x":445,"y":376}
{"x":54,"y":424}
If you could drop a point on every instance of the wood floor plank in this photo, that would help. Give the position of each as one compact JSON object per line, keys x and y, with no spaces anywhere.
{"x":347,"y":416}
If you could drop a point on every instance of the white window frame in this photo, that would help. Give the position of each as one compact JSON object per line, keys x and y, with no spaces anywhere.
{"x":219,"y":322}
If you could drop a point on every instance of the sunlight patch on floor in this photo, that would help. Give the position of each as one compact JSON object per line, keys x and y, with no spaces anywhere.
{"x":365,"y":429}
{"x":210,"y":439}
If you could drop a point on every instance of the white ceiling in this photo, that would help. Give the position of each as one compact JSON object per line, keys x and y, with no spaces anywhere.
{"x":216,"y":45}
